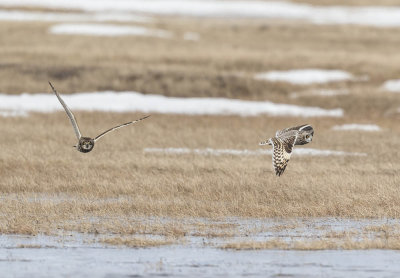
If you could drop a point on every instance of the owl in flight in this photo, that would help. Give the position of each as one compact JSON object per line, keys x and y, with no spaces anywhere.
{"x":283,"y":144}
{"x":86,"y":144}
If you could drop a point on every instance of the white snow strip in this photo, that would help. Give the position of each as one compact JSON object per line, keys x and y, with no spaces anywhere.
{"x":136,"y":102}
{"x":392,"y":85}
{"x":191,"y":36}
{"x":15,"y":15}
{"x":329,"y":93}
{"x":5,"y":113}
{"x":361,"y":127}
{"x":109,"y":30}
{"x":370,"y":15}
{"x":305,"y":76}
{"x":322,"y":93}
{"x":218,"y":152}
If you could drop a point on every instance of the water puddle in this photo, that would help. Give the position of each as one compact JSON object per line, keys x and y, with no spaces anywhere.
{"x":203,"y":254}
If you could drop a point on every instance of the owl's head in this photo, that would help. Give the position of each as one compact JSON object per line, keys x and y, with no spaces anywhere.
{"x":306,"y":134}
{"x":85,"y":144}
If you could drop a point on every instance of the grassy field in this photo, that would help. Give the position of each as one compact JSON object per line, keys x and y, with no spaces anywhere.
{"x":47,"y":186}
{"x":221,"y":64}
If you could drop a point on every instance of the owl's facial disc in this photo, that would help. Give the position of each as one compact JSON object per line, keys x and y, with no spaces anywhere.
{"x":87,"y":145}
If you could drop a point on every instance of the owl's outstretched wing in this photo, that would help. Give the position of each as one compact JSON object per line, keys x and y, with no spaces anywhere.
{"x":69,"y":113}
{"x":117,"y":127}
{"x":282,"y":150}
{"x":295,"y":128}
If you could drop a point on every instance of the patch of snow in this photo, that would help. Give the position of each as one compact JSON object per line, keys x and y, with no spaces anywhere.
{"x":392,"y":85}
{"x":218,"y":152}
{"x":13,"y":113}
{"x":370,"y":15}
{"x":191,"y":36}
{"x":15,"y":15}
{"x":362,"y":78}
{"x":329,"y":93}
{"x":361,"y":127}
{"x":136,"y":102}
{"x":107,"y":30}
{"x":305,"y":76}
{"x":322,"y":93}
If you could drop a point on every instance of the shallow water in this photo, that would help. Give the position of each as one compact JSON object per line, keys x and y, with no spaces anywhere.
{"x":71,"y":254}
{"x":181,"y":261}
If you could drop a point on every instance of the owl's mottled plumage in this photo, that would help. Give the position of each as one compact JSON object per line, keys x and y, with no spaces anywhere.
{"x":283,"y":144}
{"x":86,"y":144}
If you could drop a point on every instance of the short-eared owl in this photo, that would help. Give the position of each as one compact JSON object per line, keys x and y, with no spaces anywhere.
{"x":283,"y":144}
{"x":86,"y":144}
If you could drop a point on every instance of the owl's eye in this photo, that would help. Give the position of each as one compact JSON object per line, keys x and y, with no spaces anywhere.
{"x":307,"y":136}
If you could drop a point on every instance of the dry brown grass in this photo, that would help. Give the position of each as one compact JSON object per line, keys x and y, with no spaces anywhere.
{"x":349,"y":244}
{"x":323,"y":244}
{"x":382,"y":236}
{"x":30,"y":246}
{"x":135,"y":242}
{"x":46,"y":186}
{"x":54,"y":187}
{"x":256,"y":245}
{"x":342,"y":234}
{"x":285,"y":227}
{"x":221,"y":64}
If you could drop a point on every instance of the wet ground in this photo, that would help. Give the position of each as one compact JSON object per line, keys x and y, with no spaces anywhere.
{"x":82,"y":255}
{"x":183,"y":261}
